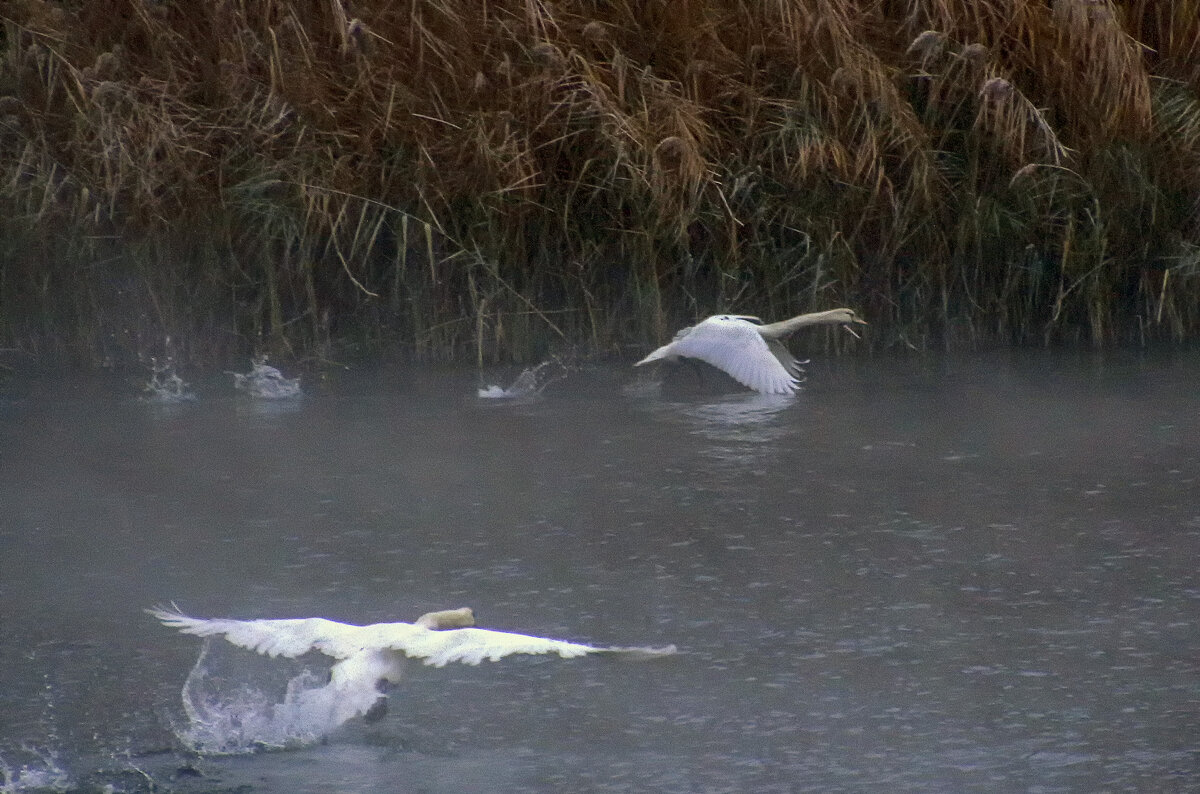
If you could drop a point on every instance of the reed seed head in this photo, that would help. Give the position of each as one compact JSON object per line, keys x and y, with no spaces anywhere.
{"x":595,"y":32}
{"x":358,"y":37}
{"x":843,"y":81}
{"x":1022,"y":172}
{"x":108,"y":94}
{"x":975,"y":53}
{"x":928,"y":46}
{"x":547,"y":55}
{"x":997,"y":89}
{"x":107,"y":65}
{"x":671,"y":150}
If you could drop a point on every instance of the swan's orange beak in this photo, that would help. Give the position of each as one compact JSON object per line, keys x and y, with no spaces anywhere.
{"x":856,"y":320}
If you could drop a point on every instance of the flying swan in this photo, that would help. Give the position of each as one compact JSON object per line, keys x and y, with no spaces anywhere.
{"x":371,"y":657}
{"x":750,"y":352}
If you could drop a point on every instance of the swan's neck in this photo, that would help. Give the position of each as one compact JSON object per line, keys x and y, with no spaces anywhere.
{"x":831,"y":317}
{"x":785,"y":327}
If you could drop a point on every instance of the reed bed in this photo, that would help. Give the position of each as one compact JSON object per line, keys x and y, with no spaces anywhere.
{"x":498,"y":181}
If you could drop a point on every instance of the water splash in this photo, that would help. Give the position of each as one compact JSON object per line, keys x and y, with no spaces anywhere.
{"x":165,"y":387}
{"x":529,"y":384}
{"x":223,"y":721}
{"x":264,"y":382}
{"x":44,"y":774}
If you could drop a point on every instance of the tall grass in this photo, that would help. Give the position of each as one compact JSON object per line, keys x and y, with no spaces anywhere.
{"x":493,"y":181}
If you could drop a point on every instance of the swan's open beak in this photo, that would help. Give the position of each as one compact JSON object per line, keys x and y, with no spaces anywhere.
{"x":850,"y":326}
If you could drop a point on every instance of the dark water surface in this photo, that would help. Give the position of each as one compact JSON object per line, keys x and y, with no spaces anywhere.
{"x":932,"y":575}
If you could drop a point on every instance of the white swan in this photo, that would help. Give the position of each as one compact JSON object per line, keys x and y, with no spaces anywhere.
{"x":370,"y":657}
{"x":752,"y":353}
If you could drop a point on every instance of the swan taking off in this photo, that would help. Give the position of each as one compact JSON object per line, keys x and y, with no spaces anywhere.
{"x":370,"y":657}
{"x":750,"y":352}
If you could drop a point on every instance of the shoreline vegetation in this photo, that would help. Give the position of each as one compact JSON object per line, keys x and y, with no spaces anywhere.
{"x":495,"y":182}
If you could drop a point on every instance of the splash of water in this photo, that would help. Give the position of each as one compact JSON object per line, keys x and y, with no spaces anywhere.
{"x":246,"y":720}
{"x":165,"y":386}
{"x":530,"y":383}
{"x":45,"y":774}
{"x":264,"y":382}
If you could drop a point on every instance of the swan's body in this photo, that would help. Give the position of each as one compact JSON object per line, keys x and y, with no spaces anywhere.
{"x":752,"y":353}
{"x":369,"y":657}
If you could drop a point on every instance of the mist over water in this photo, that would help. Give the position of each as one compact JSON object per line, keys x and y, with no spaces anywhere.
{"x":928,"y":575}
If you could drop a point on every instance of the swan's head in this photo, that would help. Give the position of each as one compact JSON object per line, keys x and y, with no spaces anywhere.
{"x":448,"y":619}
{"x":846,"y":317}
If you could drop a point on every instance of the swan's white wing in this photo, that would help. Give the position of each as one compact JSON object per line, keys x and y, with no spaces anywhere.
{"x":472,"y":646}
{"x":784,"y":356}
{"x":340,"y":640}
{"x":666,"y":351}
{"x":469,"y":646}
{"x":733,"y":345}
{"x":288,"y":638}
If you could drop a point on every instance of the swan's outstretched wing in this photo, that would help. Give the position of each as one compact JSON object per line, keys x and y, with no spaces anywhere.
{"x":288,"y":638}
{"x":472,"y":646}
{"x":296,"y":637}
{"x":667,"y":351}
{"x":785,"y":357}
{"x":469,"y":646}
{"x":733,"y":345}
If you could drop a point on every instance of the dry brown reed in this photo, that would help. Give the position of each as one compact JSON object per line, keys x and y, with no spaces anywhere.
{"x":494,"y":181}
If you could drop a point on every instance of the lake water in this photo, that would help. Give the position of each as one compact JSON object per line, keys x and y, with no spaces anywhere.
{"x":935,"y":575}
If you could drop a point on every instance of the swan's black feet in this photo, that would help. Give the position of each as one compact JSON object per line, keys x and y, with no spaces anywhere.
{"x":377,"y":711}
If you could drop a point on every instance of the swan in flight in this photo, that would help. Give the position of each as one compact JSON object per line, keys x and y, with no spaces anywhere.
{"x":751,"y":352}
{"x":371,"y":657}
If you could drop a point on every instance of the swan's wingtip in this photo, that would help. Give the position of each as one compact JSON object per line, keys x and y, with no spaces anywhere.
{"x":169,"y":614}
{"x":645,"y":360}
{"x":644,"y":652}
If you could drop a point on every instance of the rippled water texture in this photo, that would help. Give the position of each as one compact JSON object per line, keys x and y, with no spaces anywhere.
{"x":931,"y":575}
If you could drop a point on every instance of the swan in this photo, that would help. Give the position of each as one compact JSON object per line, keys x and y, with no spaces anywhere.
{"x":369,"y":658}
{"x":751,"y":352}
